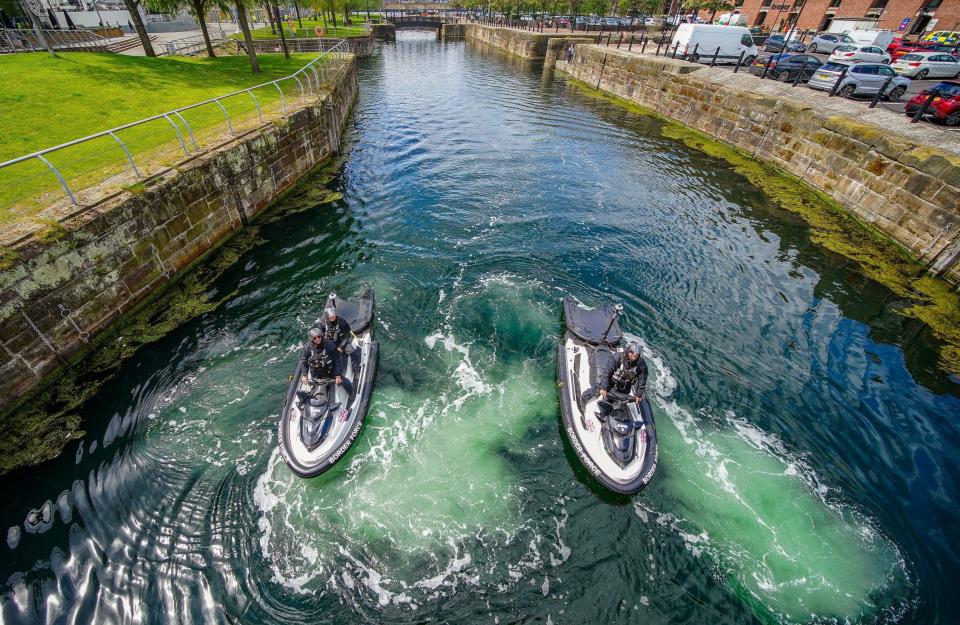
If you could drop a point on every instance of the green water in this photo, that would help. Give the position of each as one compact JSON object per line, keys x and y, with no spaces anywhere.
{"x":808,"y":457}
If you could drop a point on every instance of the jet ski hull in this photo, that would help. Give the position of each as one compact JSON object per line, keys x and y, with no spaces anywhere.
{"x":577,"y":370}
{"x":347,"y":422}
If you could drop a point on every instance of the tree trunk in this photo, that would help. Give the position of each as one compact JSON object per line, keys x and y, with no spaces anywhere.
{"x":247,"y":37}
{"x":296,"y":5}
{"x":283,"y":37}
{"x":273,"y":29}
{"x":198,"y":13}
{"x":38,"y":31}
{"x":138,"y":26}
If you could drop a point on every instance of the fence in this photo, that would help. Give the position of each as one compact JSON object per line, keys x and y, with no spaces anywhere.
{"x":25,"y":40}
{"x":361,"y":46}
{"x":100,"y":164}
{"x":189,"y":46}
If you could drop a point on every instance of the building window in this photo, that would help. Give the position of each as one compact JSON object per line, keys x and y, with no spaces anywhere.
{"x":835,"y":3}
{"x":878,"y":4}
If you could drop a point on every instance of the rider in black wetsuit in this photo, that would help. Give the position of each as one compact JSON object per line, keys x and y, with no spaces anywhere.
{"x":625,"y":374}
{"x":322,"y":362}
{"x":336,"y":329}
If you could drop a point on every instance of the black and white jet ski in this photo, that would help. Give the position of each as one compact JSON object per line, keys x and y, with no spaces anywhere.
{"x":319,"y":422}
{"x":616,"y":442}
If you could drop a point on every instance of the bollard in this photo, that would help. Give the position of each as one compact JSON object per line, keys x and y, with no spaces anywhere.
{"x":876,"y":98}
{"x":608,"y":39}
{"x":926,"y":104}
{"x":766,"y":68}
{"x":643,"y":44}
{"x":739,"y":62}
{"x":836,"y":85}
{"x":800,"y":74}
{"x":619,"y":40}
{"x":675,"y":46}
{"x":693,"y":56}
{"x":630,"y":46}
{"x":715,"y":53}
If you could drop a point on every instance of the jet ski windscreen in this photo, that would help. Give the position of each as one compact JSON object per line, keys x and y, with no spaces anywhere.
{"x":589,"y":325}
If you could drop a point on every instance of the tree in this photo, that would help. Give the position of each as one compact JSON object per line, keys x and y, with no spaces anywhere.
{"x":247,"y":36}
{"x":283,"y":37}
{"x":134,"y":10}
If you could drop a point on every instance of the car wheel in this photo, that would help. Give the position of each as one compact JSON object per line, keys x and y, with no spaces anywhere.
{"x":846,"y":91}
{"x":784,"y":77}
{"x":694,"y":58}
{"x":749,"y":60}
{"x":885,"y":61}
{"x":922,"y":74}
{"x":896,"y":93}
{"x":812,"y":48}
{"x":953,"y":119}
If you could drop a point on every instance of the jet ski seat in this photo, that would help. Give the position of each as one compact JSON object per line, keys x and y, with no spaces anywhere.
{"x":599,"y":357}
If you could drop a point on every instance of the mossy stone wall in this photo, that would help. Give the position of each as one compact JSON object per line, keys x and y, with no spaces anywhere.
{"x":65,"y":284}
{"x":902,"y":179}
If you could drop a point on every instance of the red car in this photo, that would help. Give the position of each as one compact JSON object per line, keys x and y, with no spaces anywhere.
{"x":926,"y":46}
{"x":945,"y":107}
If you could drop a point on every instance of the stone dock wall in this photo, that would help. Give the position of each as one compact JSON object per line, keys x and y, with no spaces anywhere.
{"x":71,"y":280}
{"x":519,"y":43}
{"x":902,"y":178}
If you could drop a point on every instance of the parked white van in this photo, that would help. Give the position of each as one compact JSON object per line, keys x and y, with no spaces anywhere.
{"x":701,"y":41}
{"x":879,"y":38}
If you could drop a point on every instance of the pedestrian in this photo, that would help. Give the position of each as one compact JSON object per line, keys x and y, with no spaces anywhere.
{"x":570,"y":53}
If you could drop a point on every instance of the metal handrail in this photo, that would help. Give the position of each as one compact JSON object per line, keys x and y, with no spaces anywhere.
{"x":341,"y":47}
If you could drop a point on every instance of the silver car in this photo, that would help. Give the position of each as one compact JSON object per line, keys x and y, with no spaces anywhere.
{"x":860,"y":79}
{"x":827,"y":42}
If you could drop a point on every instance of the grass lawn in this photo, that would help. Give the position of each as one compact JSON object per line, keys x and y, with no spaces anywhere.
{"x":308,"y":30}
{"x":47,"y":101}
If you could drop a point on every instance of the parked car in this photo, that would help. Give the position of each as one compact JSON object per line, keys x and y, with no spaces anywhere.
{"x":920,"y":65}
{"x":895,"y":43}
{"x":860,"y":79}
{"x":703,"y":40}
{"x":943,"y":36}
{"x":785,"y":66}
{"x":923,"y":47}
{"x":778,"y":43}
{"x":853,"y":53}
{"x":828,"y":42}
{"x":945,"y":107}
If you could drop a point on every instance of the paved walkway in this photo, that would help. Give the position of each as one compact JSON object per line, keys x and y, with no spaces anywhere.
{"x":216,"y":29}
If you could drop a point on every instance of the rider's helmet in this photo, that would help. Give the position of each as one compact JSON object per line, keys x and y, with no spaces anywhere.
{"x":633,"y":349}
{"x":314,"y":333}
{"x":330,"y":313}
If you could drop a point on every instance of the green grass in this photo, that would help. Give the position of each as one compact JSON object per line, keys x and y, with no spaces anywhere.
{"x":356,"y":30}
{"x":49,"y":101}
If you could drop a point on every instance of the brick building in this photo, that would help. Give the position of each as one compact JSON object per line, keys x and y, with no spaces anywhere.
{"x":905,"y":17}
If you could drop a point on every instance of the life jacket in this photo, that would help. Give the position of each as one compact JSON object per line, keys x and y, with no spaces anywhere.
{"x":331,"y":330}
{"x":625,"y":375}
{"x":319,"y":361}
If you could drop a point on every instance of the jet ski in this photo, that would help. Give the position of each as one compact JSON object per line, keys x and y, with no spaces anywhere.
{"x":319,"y":421}
{"x":615,"y":439}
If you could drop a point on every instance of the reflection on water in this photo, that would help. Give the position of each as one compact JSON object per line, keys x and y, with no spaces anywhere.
{"x":806,"y":475}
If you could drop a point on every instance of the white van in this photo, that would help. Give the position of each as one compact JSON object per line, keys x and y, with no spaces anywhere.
{"x":878,"y":38}
{"x":701,"y":41}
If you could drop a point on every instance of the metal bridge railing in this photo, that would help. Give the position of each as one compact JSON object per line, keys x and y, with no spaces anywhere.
{"x":105,"y":162}
{"x":25,"y":40}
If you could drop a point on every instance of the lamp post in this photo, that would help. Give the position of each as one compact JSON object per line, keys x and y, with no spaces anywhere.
{"x":786,"y":39}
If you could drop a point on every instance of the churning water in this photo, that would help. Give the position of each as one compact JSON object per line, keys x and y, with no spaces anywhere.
{"x":809,"y":455}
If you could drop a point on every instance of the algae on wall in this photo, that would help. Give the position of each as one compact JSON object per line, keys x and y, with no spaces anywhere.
{"x":874,"y":254}
{"x":39,"y":428}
